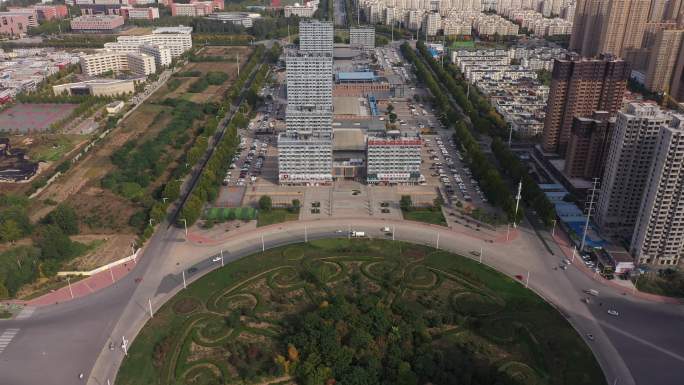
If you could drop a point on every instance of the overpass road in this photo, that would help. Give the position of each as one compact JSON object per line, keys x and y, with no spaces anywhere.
{"x":644,"y":345}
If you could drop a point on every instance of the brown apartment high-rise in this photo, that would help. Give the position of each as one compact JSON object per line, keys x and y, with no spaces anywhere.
{"x":578,"y":88}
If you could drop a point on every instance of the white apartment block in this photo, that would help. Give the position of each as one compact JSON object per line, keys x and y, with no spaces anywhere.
{"x":659,"y":232}
{"x":141,"y":64}
{"x":161,"y":54}
{"x":315,"y":36}
{"x":102,"y":62}
{"x":176,"y":39}
{"x":299,"y":10}
{"x":362,"y":38}
{"x":393,"y":159}
{"x":304,"y":159}
{"x":433,"y":23}
{"x":309,"y":78}
{"x":309,"y":120}
{"x":631,"y":151}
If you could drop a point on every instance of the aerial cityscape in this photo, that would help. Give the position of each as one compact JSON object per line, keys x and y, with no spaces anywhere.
{"x":352,"y":192}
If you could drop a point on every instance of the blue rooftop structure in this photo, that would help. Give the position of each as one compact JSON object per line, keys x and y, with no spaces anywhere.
{"x":365,"y":76}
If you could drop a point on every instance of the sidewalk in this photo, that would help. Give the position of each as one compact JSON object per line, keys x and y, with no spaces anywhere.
{"x":564,"y":243}
{"x":80,"y":288}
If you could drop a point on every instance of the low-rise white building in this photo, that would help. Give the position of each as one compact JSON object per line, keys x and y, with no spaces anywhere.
{"x":106,"y":61}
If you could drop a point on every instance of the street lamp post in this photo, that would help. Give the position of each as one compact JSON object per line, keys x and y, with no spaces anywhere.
{"x":553,"y":230}
{"x":263,"y":246}
{"x":149,"y":302}
{"x":306,"y":235}
{"x":185,"y":224}
{"x":392,"y":232}
{"x":70,"y":291}
{"x":111,"y":273}
{"x":185,"y":286}
{"x":481,"y":250}
{"x":221,"y":257}
{"x":508,"y":231}
{"x":437,"y":240}
{"x":527,"y":280}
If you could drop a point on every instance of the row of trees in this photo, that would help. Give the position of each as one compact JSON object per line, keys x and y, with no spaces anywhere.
{"x":212,"y":78}
{"x":209,"y":183}
{"x":487,"y":120}
{"x":483,"y":170}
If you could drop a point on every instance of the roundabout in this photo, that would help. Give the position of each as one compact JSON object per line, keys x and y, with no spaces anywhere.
{"x":391,"y":303}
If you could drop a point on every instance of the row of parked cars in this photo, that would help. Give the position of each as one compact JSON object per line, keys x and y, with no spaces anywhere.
{"x":252,"y":165}
{"x":441,"y":171}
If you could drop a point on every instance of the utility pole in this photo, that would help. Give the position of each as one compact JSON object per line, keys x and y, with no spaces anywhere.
{"x":517,"y":203}
{"x":185,"y":286}
{"x":481,"y":254}
{"x":263,"y":245}
{"x":591,"y":207}
{"x":70,"y":291}
{"x":306,"y":237}
{"x":237,"y":63}
{"x":149,"y":302}
{"x":185,"y":224}
{"x":437,"y":240}
{"x":221,"y":257}
{"x":527,"y":281}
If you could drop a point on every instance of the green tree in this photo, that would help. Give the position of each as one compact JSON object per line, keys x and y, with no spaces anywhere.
{"x":392,"y":117}
{"x":4,"y":293}
{"x":64,"y":216}
{"x":265,"y":203}
{"x":296,"y":204}
{"x":405,"y":203}
{"x":54,"y":244}
{"x":10,"y":231}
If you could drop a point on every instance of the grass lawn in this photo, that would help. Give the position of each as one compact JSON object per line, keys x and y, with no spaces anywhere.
{"x":222,"y":214}
{"x":426,"y":215}
{"x":276,"y":215}
{"x":4,"y":314}
{"x":226,"y":327}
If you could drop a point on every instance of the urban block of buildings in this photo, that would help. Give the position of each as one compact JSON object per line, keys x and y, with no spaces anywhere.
{"x":311,"y":151}
{"x":94,"y":23}
{"x":23,"y":69}
{"x":141,"y":54}
{"x":513,"y":89}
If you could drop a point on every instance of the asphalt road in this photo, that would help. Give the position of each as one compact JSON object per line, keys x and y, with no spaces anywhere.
{"x":644,"y":345}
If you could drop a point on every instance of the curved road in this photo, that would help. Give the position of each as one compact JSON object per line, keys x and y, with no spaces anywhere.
{"x":642,"y":346}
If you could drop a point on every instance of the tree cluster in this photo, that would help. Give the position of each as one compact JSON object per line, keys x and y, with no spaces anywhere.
{"x":360,"y":340}
{"x":51,"y":244}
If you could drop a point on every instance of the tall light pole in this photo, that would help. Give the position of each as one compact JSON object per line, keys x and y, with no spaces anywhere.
{"x":527,"y":281}
{"x":70,"y":291}
{"x":517,"y":203}
{"x":185,"y":224}
{"x":481,"y":254}
{"x":553,"y":230}
{"x":437,"y":240}
{"x":306,"y":235}
{"x":263,"y":245}
{"x":149,"y":302}
{"x":185,"y":286}
{"x":591,"y":207}
{"x":221,"y":257}
{"x":237,"y":63}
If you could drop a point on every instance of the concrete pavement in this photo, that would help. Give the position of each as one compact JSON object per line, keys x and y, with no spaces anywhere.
{"x":57,"y":342}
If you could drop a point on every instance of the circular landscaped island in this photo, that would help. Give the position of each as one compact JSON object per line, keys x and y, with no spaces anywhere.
{"x":358,"y":312}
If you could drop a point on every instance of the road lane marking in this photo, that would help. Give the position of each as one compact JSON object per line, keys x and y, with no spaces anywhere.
{"x":643,"y":341}
{"x":26,"y":312}
{"x":6,"y":337}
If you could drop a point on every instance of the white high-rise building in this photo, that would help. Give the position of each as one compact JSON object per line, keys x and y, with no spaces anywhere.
{"x":309,"y":78}
{"x":315,"y":36}
{"x":305,"y":149}
{"x":433,"y":23}
{"x":630,"y":154}
{"x":362,"y":38}
{"x":659,"y":233}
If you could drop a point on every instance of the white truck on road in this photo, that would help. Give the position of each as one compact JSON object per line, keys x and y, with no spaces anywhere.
{"x":357,"y":234}
{"x":593,"y":292}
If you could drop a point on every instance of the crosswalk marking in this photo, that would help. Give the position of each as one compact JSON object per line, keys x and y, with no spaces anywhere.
{"x":6,"y":337}
{"x":26,"y":312}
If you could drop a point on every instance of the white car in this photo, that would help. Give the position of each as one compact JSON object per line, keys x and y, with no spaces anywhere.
{"x":613,"y":312}
{"x":216,"y":259}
